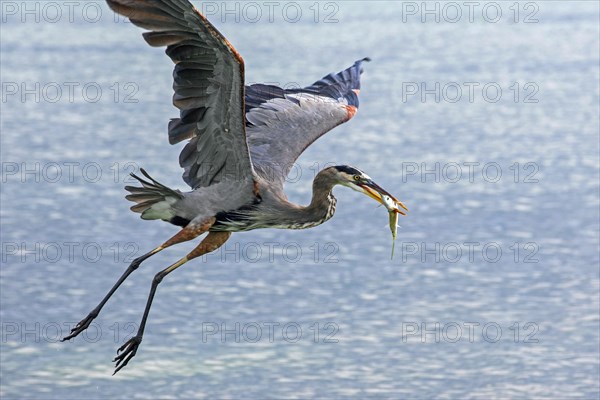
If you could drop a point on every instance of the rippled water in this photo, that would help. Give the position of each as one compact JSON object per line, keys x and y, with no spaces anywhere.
{"x":494,"y":289}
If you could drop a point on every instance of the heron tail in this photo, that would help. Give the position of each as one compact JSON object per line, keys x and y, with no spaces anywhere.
{"x":154,"y":200}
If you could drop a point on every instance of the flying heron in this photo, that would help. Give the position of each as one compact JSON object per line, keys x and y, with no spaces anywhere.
{"x":243,"y":140}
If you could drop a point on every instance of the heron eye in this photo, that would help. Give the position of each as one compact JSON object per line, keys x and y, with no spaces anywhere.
{"x":357,"y":177}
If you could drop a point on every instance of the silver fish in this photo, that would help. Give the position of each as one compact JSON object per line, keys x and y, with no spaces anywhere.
{"x":394,"y":228}
{"x":394,"y":211}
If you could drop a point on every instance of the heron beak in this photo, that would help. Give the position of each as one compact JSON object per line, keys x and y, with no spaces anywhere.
{"x":376,"y":192}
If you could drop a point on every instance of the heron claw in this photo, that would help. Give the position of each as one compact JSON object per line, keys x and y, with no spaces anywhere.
{"x":128,"y":350}
{"x":81,"y":326}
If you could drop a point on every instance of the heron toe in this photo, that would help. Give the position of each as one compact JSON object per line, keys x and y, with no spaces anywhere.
{"x":126,"y":352}
{"x":81,"y":326}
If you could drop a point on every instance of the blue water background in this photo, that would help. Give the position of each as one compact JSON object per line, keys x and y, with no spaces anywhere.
{"x":339,"y":273}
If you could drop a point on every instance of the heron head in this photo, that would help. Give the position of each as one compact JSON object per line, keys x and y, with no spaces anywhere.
{"x":357,"y":180}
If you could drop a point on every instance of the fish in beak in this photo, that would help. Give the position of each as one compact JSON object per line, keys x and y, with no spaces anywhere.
{"x":392,"y":204}
{"x":376,"y":192}
{"x":361,"y":182}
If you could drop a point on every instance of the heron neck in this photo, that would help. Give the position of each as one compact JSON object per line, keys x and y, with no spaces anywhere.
{"x":280,"y":213}
{"x":322,"y":205}
{"x":322,"y":192}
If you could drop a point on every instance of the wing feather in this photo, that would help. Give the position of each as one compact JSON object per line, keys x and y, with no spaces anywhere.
{"x":209,"y":89}
{"x":281,"y":124}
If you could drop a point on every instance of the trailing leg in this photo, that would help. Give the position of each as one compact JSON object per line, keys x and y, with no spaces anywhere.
{"x":85,"y":323}
{"x":211,"y":242}
{"x":188,"y":233}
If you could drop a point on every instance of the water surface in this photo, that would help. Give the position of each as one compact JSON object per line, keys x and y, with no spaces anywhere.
{"x":494,"y":289}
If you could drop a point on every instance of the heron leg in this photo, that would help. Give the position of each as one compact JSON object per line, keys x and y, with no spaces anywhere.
{"x":85,"y":323}
{"x":211,"y":242}
{"x":188,"y":233}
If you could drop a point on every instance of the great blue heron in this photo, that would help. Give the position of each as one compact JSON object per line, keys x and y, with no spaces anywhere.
{"x":243,"y":141}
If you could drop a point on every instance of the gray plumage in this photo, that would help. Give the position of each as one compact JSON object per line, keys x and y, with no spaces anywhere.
{"x":208,"y":84}
{"x":281,"y":129}
{"x":242,"y":143}
{"x":242,"y":140}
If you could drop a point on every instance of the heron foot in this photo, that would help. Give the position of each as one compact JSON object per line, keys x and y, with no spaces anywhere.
{"x":81,"y":326}
{"x":128,"y":352}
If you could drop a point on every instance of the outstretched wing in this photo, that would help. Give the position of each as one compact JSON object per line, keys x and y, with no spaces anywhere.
{"x":209,"y":89}
{"x":281,"y":124}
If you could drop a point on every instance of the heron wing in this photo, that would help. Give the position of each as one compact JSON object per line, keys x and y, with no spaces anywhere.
{"x":282,"y":123}
{"x":209,"y":89}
